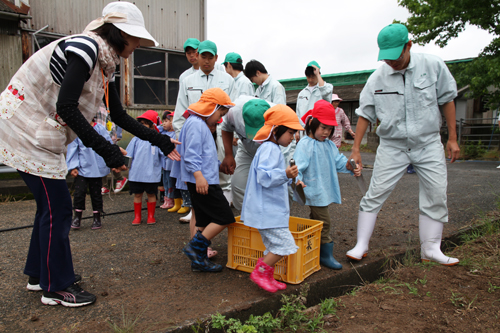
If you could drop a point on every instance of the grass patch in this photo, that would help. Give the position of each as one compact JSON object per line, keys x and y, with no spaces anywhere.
{"x":348,"y":147}
{"x":16,"y":197}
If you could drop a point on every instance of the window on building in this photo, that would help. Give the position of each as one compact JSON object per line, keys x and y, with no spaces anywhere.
{"x":40,"y":41}
{"x":156,"y":76}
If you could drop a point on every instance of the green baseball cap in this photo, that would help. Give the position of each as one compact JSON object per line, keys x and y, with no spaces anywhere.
{"x":207,"y":46}
{"x":191,"y":42}
{"x":315,"y":63}
{"x":233,"y":58}
{"x":391,"y":41}
{"x":253,"y":116}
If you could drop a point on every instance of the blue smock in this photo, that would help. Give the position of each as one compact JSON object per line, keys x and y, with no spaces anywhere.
{"x":198,"y":153}
{"x":146,"y":161}
{"x":88,"y":163}
{"x":167,"y":162}
{"x":265,"y":204}
{"x":318,"y":163}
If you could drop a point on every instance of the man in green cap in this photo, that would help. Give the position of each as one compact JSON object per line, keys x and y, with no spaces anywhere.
{"x":234,"y":67}
{"x":191,"y":52}
{"x":316,"y":89}
{"x":190,"y":90}
{"x":407,"y":95}
{"x":244,"y":119}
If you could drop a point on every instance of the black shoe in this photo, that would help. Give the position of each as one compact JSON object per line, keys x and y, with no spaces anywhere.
{"x":34,"y":283}
{"x":77,"y":220}
{"x":97,"y":221}
{"x":72,"y":297}
{"x":207,"y":267}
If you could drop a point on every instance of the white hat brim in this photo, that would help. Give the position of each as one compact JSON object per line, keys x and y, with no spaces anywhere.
{"x":137,"y":31}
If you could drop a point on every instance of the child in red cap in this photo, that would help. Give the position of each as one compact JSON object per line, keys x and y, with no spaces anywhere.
{"x":198,"y":170}
{"x":265,"y":204}
{"x":145,"y":169}
{"x":318,"y":161}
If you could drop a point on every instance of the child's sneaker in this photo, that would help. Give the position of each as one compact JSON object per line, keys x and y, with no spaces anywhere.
{"x":72,"y":297}
{"x":120,"y":184}
{"x":104,"y":190}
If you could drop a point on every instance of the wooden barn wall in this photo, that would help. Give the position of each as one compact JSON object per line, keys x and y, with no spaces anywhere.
{"x":170,"y":22}
{"x":11,"y":58}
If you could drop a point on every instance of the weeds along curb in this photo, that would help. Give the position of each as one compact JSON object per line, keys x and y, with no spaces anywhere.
{"x":352,"y":275}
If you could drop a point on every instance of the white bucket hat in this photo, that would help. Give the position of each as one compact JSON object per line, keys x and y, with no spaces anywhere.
{"x":126,"y":17}
{"x":336,"y":97}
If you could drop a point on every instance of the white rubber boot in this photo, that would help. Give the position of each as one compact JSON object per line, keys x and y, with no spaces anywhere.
{"x":366,"y":224}
{"x":430,"y":232}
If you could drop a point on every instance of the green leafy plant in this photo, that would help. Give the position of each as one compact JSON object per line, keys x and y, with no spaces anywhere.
{"x":473,"y":149}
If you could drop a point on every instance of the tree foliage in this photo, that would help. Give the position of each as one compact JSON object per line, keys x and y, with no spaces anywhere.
{"x":442,"y":20}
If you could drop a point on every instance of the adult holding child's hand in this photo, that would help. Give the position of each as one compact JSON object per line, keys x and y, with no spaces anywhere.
{"x":35,"y":131}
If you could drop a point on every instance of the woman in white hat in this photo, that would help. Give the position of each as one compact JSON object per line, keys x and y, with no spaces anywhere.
{"x":47,"y":104}
{"x":342,"y":120}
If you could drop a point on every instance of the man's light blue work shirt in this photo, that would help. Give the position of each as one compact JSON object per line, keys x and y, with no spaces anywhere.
{"x":272,"y":91}
{"x":318,"y":163}
{"x":193,"y":86}
{"x":408,"y":105}
{"x":306,"y":98}
{"x":198,"y":153}
{"x":266,"y":203}
{"x":88,"y":163}
{"x":146,"y":161}
{"x":242,"y":86}
{"x":191,"y":70}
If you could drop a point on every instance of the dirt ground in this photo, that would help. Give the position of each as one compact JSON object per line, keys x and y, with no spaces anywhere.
{"x":139,"y":272}
{"x":429,"y":298}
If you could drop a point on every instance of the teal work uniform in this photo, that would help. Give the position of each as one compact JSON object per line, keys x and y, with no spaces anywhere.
{"x":242,"y":86}
{"x":407,"y":105}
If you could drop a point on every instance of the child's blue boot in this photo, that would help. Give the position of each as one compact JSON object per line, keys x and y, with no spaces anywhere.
{"x":326,"y":256}
{"x":196,"y":251}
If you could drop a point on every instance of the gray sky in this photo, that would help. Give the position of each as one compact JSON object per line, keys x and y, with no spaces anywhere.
{"x":341,"y":35}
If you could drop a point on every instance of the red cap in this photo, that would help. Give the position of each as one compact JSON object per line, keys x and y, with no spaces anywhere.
{"x":323,"y":111}
{"x":151,"y":116}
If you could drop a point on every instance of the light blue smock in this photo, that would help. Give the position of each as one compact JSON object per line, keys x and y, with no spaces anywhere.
{"x":193,"y":86}
{"x":198,"y":153}
{"x":167,"y":162}
{"x":306,"y":98}
{"x":265,"y":204}
{"x":272,"y":91}
{"x":242,"y":87}
{"x":318,"y":163}
{"x":146,"y":161}
{"x":88,"y":163}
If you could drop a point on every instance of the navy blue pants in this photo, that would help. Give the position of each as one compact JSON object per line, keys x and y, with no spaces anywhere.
{"x":49,"y":256}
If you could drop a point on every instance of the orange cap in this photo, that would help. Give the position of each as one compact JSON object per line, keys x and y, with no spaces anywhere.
{"x":208,"y":102}
{"x":277,"y":115}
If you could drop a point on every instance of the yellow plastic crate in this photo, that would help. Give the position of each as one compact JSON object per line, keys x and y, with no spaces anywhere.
{"x":245,"y":247}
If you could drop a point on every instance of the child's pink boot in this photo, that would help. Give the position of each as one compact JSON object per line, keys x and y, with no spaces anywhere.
{"x":277,"y":284}
{"x":137,"y":211}
{"x":169,"y":203}
{"x":260,"y":275}
{"x":151,"y":212}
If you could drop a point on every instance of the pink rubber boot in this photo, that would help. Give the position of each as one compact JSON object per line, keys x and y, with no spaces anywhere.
{"x":260,"y":275}
{"x":277,"y":284}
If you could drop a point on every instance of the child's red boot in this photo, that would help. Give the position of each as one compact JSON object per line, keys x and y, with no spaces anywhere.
{"x":277,"y":284}
{"x":260,"y":275}
{"x":151,"y":212}
{"x":137,"y":211}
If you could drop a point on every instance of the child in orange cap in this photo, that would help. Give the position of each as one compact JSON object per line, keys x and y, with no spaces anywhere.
{"x":265,"y":205}
{"x":318,"y":161}
{"x":198,"y":170}
{"x":145,"y":169}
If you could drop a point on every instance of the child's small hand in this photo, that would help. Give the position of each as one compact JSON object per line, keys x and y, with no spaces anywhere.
{"x":74,"y":173}
{"x":357,"y":171}
{"x":201,"y":183}
{"x":301,"y":183}
{"x":292,"y":171}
